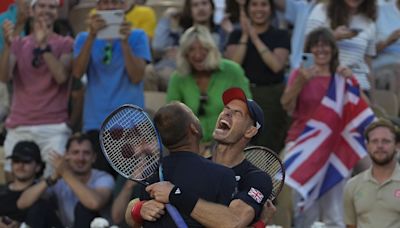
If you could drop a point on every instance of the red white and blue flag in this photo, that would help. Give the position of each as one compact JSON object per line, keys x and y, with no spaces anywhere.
{"x":331,"y":143}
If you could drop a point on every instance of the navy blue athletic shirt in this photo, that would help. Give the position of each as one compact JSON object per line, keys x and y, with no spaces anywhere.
{"x":193,"y":173}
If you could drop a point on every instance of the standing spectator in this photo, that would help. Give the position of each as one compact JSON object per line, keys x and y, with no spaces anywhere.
{"x":263,"y":51}
{"x":26,"y":167}
{"x":201,"y":78}
{"x":302,"y":96}
{"x":371,"y":198}
{"x":296,"y":13}
{"x":81,"y":192}
{"x":39,"y":65}
{"x":115,"y":70}
{"x":388,"y":34}
{"x":353,"y":25}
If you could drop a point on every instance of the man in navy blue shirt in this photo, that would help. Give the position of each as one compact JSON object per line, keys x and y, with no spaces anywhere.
{"x":181,"y":133}
{"x":240,"y":121}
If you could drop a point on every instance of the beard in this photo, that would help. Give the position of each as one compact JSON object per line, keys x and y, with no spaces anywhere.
{"x":384,"y":161}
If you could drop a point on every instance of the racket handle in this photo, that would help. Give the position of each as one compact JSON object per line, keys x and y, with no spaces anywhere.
{"x":173,"y":212}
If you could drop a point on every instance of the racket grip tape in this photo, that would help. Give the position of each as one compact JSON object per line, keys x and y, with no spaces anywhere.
{"x":173,"y":212}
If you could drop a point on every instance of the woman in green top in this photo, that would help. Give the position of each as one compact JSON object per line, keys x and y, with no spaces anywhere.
{"x":202,"y":76}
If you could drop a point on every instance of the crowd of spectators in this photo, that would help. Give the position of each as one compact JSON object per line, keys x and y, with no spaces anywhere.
{"x":56,"y":83}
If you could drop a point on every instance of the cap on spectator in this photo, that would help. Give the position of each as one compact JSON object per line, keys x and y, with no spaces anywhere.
{"x":26,"y":151}
{"x":256,"y":113}
{"x":59,"y":2}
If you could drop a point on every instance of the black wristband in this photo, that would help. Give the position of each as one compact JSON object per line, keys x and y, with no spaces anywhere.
{"x":184,"y":201}
{"x":50,"y":182}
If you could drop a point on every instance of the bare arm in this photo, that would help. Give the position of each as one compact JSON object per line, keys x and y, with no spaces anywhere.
{"x":393,"y":37}
{"x":289,"y":97}
{"x":134,"y":66}
{"x":82,"y":60}
{"x":31,"y":195}
{"x":7,"y":59}
{"x":121,"y":202}
{"x":238,"y":214}
{"x":60,"y":69}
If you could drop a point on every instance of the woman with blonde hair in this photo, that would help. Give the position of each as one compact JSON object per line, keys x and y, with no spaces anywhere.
{"x":202,"y":76}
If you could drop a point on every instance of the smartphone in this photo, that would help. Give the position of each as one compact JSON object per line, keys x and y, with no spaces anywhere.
{"x":307,"y":60}
{"x":356,"y":30}
{"x":113,"y":19}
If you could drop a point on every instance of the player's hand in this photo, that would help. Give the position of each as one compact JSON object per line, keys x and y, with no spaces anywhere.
{"x":152,"y":210}
{"x":268,"y":211}
{"x":160,"y":191}
{"x":8,"y":31}
{"x":125,"y":30}
{"x":95,"y":23}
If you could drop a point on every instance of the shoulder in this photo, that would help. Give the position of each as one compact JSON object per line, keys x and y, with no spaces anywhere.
{"x":353,"y":182}
{"x":229,"y":64}
{"x":99,"y":176}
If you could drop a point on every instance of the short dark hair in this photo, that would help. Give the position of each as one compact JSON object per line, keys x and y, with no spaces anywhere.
{"x":381,"y":123}
{"x":186,"y":19}
{"x":172,"y":123}
{"x":79,"y":137}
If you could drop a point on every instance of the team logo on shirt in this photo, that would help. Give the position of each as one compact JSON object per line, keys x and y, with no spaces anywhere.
{"x":256,"y":195}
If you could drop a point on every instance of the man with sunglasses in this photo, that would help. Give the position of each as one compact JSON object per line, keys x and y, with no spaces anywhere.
{"x":26,"y":167}
{"x":114,"y":68}
{"x":39,"y":66}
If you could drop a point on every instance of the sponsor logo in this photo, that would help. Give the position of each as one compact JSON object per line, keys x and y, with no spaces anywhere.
{"x":397,"y":193}
{"x":177,"y":191}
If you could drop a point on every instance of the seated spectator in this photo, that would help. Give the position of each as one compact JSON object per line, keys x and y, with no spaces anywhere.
{"x":26,"y":167}
{"x":81,"y":191}
{"x":388,"y":34}
{"x":114,"y":69}
{"x":353,"y":25}
{"x":168,"y":32}
{"x":263,"y":50}
{"x":201,"y":78}
{"x":39,"y":65}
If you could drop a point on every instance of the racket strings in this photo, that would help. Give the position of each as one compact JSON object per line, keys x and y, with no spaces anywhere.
{"x":130,"y":143}
{"x":269,"y":163}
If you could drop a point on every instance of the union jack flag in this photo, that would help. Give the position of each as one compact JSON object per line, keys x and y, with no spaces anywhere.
{"x":331,"y":143}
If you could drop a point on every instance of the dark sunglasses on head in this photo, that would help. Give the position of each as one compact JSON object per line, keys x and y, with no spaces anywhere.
{"x":203,"y":101}
{"x":107,"y":54}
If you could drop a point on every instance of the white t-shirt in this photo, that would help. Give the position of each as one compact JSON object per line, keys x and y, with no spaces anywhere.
{"x":351,"y":51}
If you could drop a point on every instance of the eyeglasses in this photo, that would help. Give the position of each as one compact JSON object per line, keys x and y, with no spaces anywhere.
{"x":107,"y":54}
{"x":203,"y":101}
{"x":36,"y":61}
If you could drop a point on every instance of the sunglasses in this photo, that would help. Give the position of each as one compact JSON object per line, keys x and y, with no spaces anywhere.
{"x":107,"y":54}
{"x":203,"y":102}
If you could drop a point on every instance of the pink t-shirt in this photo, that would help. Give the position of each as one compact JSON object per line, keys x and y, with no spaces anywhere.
{"x":307,"y":102}
{"x":37,"y":98}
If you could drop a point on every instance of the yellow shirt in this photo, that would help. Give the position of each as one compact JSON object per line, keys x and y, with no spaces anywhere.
{"x":143,"y":17}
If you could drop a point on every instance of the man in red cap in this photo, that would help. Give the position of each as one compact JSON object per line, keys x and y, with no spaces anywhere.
{"x":240,"y":121}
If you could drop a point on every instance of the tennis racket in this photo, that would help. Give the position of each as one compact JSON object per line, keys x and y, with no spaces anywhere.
{"x":269,"y":162}
{"x":132,"y":146}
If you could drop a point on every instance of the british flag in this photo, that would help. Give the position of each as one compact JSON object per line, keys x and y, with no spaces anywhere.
{"x":331,"y":143}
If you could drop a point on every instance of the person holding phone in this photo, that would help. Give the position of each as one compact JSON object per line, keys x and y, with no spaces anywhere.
{"x":114,"y":68}
{"x":305,"y":89}
{"x":353,"y":26}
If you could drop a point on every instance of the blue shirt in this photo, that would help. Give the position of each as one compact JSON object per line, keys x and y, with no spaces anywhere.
{"x":11,"y":15}
{"x":109,"y":85}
